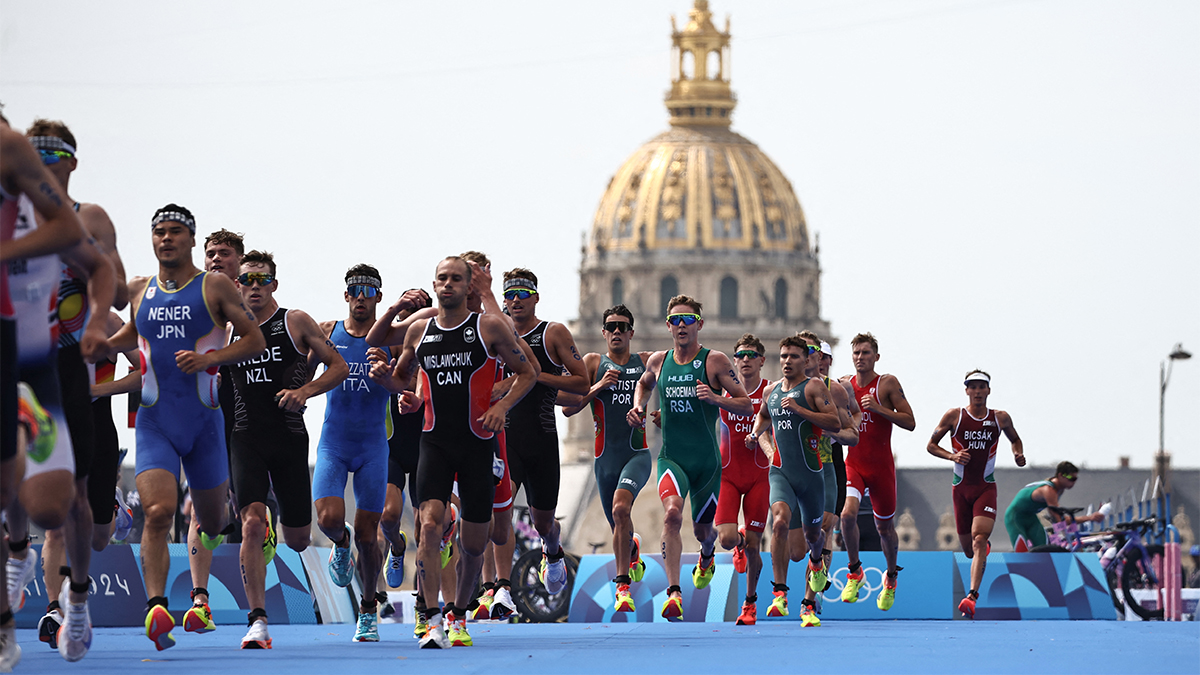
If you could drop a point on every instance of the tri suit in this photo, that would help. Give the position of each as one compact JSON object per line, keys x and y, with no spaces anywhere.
{"x":744,"y":482}
{"x":622,"y":458}
{"x":869,"y":465}
{"x":689,"y":461}
{"x":974,"y":490}
{"x":797,"y":474}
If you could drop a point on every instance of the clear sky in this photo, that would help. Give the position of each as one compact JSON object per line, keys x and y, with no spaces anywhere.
{"x":1005,"y":185}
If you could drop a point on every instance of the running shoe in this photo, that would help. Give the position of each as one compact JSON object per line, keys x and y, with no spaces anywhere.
{"x":421,"y":628}
{"x":749,"y":615}
{"x":75,"y":633}
{"x":624,"y":599}
{"x":198,"y":619}
{"x":447,"y":550}
{"x":211,"y":543}
{"x":393,"y":570}
{"x":553,"y":574}
{"x":10,"y":651}
{"x":808,"y":616}
{"x":271,"y":540}
{"x":123,"y":518}
{"x":386,"y":609}
{"x":967,"y":607}
{"x":434,"y":638}
{"x":484,"y":610}
{"x":43,"y":432}
{"x":888,"y":596}
{"x":778,"y":605}
{"x":341,"y":560}
{"x":48,"y":627}
{"x":739,"y":554}
{"x":702,"y":577}
{"x":502,"y":604}
{"x":817,"y":578}
{"x":853,"y":583}
{"x":158,"y":627}
{"x":19,"y":573}
{"x":257,"y":637}
{"x":368,"y":627}
{"x":637,"y":568}
{"x":458,"y":637}
{"x":672,"y":609}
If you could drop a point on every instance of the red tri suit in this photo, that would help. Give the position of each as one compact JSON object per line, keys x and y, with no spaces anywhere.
{"x":869,"y":465}
{"x":743,"y":471}
{"x":974,"y":490}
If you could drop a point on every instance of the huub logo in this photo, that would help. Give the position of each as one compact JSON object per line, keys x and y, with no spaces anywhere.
{"x":469,"y":334}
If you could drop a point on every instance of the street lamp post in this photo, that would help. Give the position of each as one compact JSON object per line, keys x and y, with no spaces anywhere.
{"x":1161,"y":460}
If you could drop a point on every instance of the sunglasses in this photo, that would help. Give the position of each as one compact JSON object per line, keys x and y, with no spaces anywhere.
{"x":260,"y":278}
{"x":363,"y":290}
{"x":617,"y":326}
{"x":682,"y":319}
{"x":746,"y":354}
{"x":1069,"y":477}
{"x":518,"y":294}
{"x":812,"y":349}
{"x":54,"y":156}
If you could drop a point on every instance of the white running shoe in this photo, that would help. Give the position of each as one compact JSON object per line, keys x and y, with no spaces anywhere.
{"x":257,"y":637}
{"x":48,"y":627}
{"x":10,"y":651}
{"x":554,"y":574}
{"x":20,"y":573}
{"x":502,"y":604}
{"x":124,"y":518}
{"x":75,"y":634}
{"x":435,"y":638}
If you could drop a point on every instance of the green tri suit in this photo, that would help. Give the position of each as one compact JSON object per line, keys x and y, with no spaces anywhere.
{"x":1021,"y":516}
{"x":690,"y":459}
{"x":622,"y":460}
{"x":797,"y":474}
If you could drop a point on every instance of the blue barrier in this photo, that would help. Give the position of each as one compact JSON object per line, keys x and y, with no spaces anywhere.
{"x":118,"y":593}
{"x":1038,"y":586}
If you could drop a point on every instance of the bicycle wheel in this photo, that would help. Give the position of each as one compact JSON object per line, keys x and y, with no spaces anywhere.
{"x":530,"y":596}
{"x":1048,"y":548}
{"x":1137,"y":575}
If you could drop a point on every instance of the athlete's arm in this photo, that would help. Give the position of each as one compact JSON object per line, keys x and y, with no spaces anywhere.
{"x":1005,"y":421}
{"x":391,"y":328}
{"x":945,"y":426}
{"x":382,"y":370}
{"x":503,"y":342}
{"x":132,"y":381}
{"x":1049,"y":495}
{"x":762,"y":422}
{"x":896,"y":409}
{"x":561,"y":344}
{"x":481,"y":283}
{"x":591,"y":362}
{"x":22,"y":171}
{"x":646,"y":383}
{"x":97,"y":223}
{"x":823,"y":415}
{"x":230,"y":308}
{"x":311,"y":341}
{"x":406,"y":364}
{"x":88,"y":260}
{"x":720,"y":371}
{"x":848,"y":435}
{"x":856,"y":414}
{"x":126,"y":337}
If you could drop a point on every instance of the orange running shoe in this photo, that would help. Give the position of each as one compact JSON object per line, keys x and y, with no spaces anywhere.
{"x":672,"y":609}
{"x":779,"y":605}
{"x":739,"y":555}
{"x":749,"y":614}
{"x":158,"y":627}
{"x":967,"y":606}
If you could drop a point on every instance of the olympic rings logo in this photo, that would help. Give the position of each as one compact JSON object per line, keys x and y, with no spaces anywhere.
{"x":837,"y":581}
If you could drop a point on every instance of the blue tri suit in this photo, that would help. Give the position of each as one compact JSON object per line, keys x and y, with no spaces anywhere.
{"x":179,"y":419}
{"x":354,"y":437}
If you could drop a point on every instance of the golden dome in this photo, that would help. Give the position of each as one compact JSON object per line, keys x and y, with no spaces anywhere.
{"x":699,"y":185}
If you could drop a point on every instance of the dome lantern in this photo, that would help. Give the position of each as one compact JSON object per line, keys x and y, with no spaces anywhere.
{"x":700,"y":94}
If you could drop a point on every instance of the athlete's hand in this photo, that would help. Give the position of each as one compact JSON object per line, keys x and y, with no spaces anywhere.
{"x":493,"y":419}
{"x":609,"y":380}
{"x":291,"y":400}
{"x":869,"y":404}
{"x":412,"y":300}
{"x":500,"y":389}
{"x":93,"y":344}
{"x":408,"y":403}
{"x":751,"y":441}
{"x":656,"y":417}
{"x":636,"y":417}
{"x":961,"y":457}
{"x":790,"y":404}
{"x":191,"y":362}
{"x":705,"y":393}
{"x":381,"y":365}
{"x":1020,"y":457}
{"x":481,"y":277}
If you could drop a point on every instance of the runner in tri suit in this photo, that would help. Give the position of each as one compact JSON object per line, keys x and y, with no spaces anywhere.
{"x":180,"y":316}
{"x":796,"y":411}
{"x":269,"y":445}
{"x":457,"y":353}
{"x":974,"y":436}
{"x":531,"y":434}
{"x":870,"y":465}
{"x":622,"y":459}
{"x":689,"y":462}
{"x":831,"y":449}
{"x":744,"y":484}
{"x":1025,"y":531}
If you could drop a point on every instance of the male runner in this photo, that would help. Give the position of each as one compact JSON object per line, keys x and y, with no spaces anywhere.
{"x":831,"y":448}
{"x":744,"y":484}
{"x":797,"y":409}
{"x":531,"y":434}
{"x":870,"y":465}
{"x":457,"y":354}
{"x":180,"y":316}
{"x":354,"y":439}
{"x":974,"y":436}
{"x":1020,"y":518}
{"x":269,"y":445}
{"x":689,"y":462}
{"x":622,"y":458}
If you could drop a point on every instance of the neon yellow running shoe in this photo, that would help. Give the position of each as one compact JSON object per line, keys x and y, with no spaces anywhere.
{"x":458,"y":635}
{"x":808,"y":616}
{"x":853,"y":583}
{"x":624,"y":599}
{"x":637,"y":568}
{"x":271,"y":540}
{"x":43,"y":432}
{"x":158,"y":627}
{"x":672,"y":608}
{"x":211,"y":543}
{"x":198,"y":619}
{"x":421,"y":628}
{"x":888,"y":596}
{"x":817,"y":577}
{"x":778,"y":605}
{"x":447,"y":551}
{"x":702,"y":577}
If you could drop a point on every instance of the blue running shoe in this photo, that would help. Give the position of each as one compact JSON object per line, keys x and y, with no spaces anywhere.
{"x":368,"y":628}
{"x":393,"y":571}
{"x":341,"y":561}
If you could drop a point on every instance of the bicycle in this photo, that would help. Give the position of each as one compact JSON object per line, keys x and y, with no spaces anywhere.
{"x":1135,"y":560}
{"x":534,"y":603}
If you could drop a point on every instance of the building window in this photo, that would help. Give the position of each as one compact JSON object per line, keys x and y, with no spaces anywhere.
{"x":781,"y":299}
{"x":668,"y":289}
{"x":729,"y":298}
{"x":618,"y":291}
